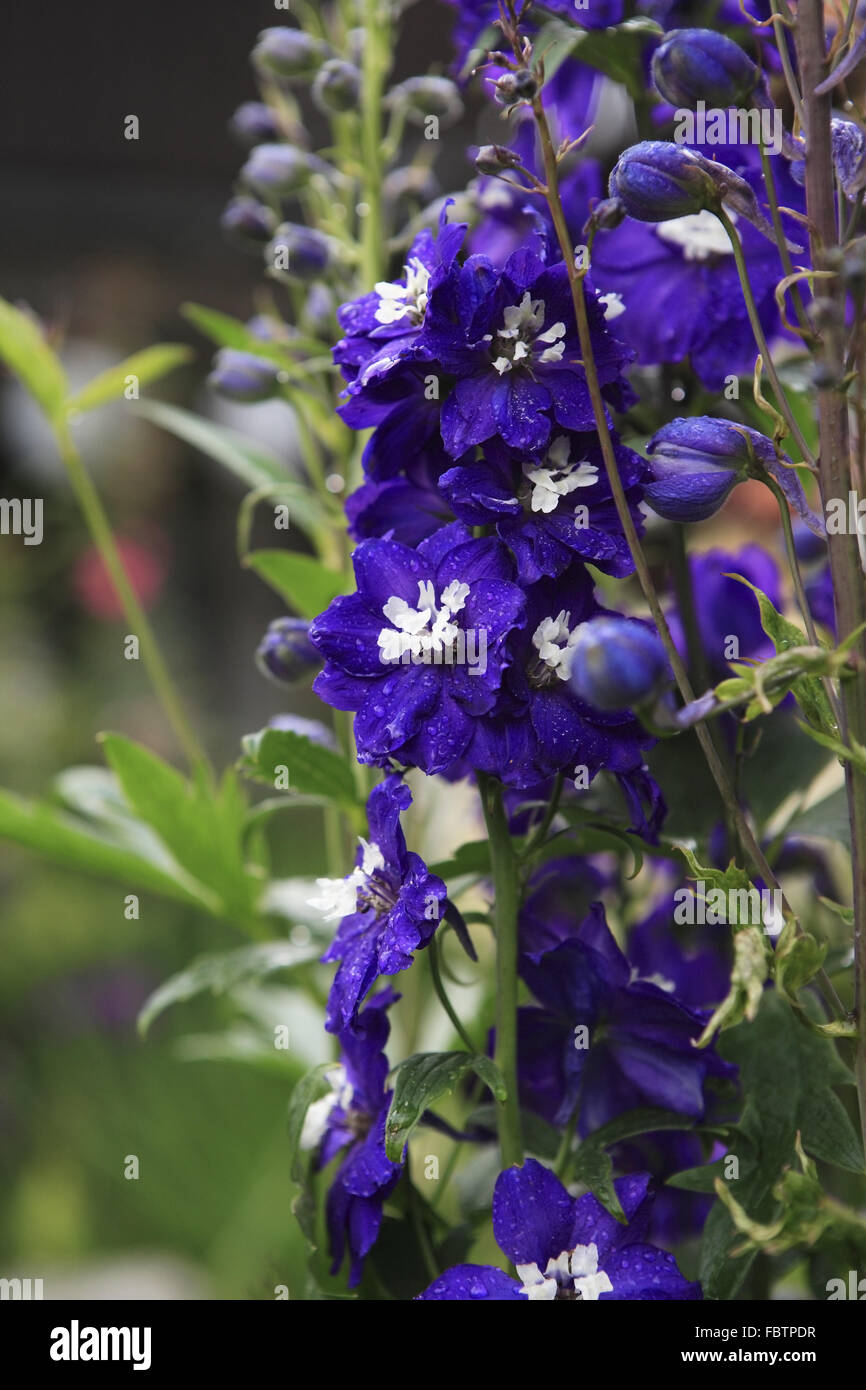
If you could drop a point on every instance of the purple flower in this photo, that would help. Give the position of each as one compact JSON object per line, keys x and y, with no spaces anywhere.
{"x":603,"y":1040}
{"x":352,"y":1119}
{"x":552,"y":508}
{"x":540,"y":727}
{"x":507,"y":342}
{"x":679,"y":286}
{"x":388,"y":907}
{"x":420,"y":649}
{"x":728,"y":609}
{"x":567,"y":1248}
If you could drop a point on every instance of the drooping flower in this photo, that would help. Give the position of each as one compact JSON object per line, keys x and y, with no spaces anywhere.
{"x":351,"y":1119}
{"x":567,"y":1248}
{"x":696,"y":461}
{"x":605,"y":1041}
{"x":420,"y":649}
{"x":387,"y":908}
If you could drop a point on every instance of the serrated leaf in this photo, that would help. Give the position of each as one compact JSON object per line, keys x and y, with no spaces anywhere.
{"x":304,"y":582}
{"x":219,"y":972}
{"x":28,"y":356}
{"x":808,"y":691}
{"x":787,"y":1072}
{"x":312,"y":769}
{"x":149,"y":365}
{"x":425,"y":1078}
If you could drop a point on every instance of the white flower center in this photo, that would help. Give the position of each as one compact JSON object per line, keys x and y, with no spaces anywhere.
{"x":557,"y":476}
{"x":575,"y":1273}
{"x":425,"y":630}
{"x":319,"y":1113}
{"x":339,"y":896}
{"x":555,"y":643}
{"x":699,"y":235}
{"x":398,"y":301}
{"x":521,"y":333}
{"x":613,"y":305}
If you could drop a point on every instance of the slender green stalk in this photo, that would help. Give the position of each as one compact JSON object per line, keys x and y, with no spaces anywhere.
{"x":374,"y":67}
{"x":505,"y":907}
{"x":836,"y":480}
{"x":760,"y":336}
{"x":442,"y":996}
{"x":800,"y":591}
{"x":714,"y":762}
{"x":103,"y":538}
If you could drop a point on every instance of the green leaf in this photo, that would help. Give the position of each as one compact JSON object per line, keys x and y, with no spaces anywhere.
{"x":311,"y":1087}
{"x":615,"y":51}
{"x":200,"y":824}
{"x":787,"y":1072}
{"x":471,"y":858}
{"x":28,"y":356}
{"x":219,"y":972}
{"x":808,"y":691}
{"x":312,"y":769}
{"x":826,"y":820}
{"x":301,"y":580}
{"x":258,"y":469}
{"x":148,"y":366}
{"x":592,"y":1165}
{"x":423,"y":1079}
{"x":109,"y":851}
{"x":226,"y":331}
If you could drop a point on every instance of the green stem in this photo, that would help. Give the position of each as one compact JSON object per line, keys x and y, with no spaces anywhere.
{"x":760,"y":336}
{"x":505,"y":907}
{"x":374,"y":67}
{"x":442,"y":996}
{"x":539,"y":835}
{"x":800,"y":590}
{"x":103,"y":538}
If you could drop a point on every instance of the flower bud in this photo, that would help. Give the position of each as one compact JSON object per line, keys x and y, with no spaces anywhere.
{"x":240,"y":376}
{"x":286,"y":53}
{"x":848,"y":144}
{"x":517,"y":86}
{"x":619,"y":663}
{"x":494,"y":159}
{"x":286,"y":653}
{"x":337,"y":86}
{"x":656,"y":181}
{"x":299,"y":253}
{"x":692,"y":65}
{"x":421,"y":97}
{"x":695,"y":464}
{"x":248,"y":223}
{"x":279,"y":170}
{"x":254,"y":123}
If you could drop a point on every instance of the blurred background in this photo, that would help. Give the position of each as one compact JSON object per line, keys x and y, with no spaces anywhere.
{"x":105,"y":238}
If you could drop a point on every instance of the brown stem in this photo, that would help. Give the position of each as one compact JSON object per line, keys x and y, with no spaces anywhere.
{"x":835,"y":478}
